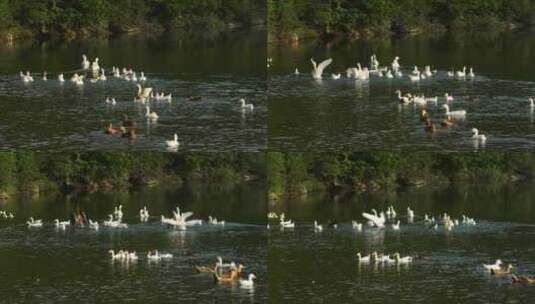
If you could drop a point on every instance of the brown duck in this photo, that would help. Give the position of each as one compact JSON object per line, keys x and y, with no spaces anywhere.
{"x":522,"y":279}
{"x":230,"y":276}
{"x":424,"y":117}
{"x":128,"y":133}
{"x":430,"y":127}
{"x":447,"y":123}
{"x":501,"y":271}
{"x":110,"y":130}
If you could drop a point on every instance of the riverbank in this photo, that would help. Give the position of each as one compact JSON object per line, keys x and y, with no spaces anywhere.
{"x":34,"y":173}
{"x":295,"y":20}
{"x":104,"y":18}
{"x":298,"y":174}
{"x":297,"y":35}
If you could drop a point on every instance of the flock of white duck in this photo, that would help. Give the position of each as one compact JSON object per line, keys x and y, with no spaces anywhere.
{"x":417,"y":74}
{"x":223,"y":273}
{"x":389,"y":219}
{"x":179,"y":220}
{"x":143,"y":94}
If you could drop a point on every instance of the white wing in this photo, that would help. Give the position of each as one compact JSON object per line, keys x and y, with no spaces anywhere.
{"x":378,"y":221}
{"x":323,"y":65}
{"x":185,"y":215}
{"x":370,"y":217}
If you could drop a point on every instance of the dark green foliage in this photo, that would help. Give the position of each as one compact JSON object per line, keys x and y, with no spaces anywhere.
{"x":395,"y":15}
{"x":45,"y":16}
{"x":31,"y":171}
{"x":8,"y":169}
{"x":292,"y":171}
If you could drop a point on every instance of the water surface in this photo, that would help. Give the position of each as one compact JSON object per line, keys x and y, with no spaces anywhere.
{"x":63,"y":117}
{"x":318,"y":267}
{"x":346,"y":114}
{"x":51,"y":265}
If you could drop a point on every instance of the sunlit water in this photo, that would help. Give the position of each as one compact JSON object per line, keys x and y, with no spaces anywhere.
{"x":318,"y":267}
{"x":51,"y":265}
{"x":338,"y":114}
{"x":58,"y":117}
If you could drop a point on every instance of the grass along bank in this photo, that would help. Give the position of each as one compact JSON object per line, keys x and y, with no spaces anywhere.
{"x":296,"y":174}
{"x":293,"y":20}
{"x":80,"y":19}
{"x":34,"y":172}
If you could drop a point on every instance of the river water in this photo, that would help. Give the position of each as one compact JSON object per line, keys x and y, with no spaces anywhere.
{"x":326,"y":115}
{"x":318,"y":267}
{"x":221,"y":69}
{"x":54,"y":265}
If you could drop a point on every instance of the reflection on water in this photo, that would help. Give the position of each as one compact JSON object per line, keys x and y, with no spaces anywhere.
{"x":366,"y":114}
{"x":54,"y":116}
{"x":447,"y":265}
{"x":49,"y":264}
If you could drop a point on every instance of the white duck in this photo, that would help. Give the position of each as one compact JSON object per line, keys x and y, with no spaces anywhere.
{"x":61,"y":224}
{"x":95,"y":66}
{"x":377,"y":221}
{"x":318,"y":69}
{"x":285,"y":224}
{"x":102,"y":76}
{"x":448,"y":97}
{"x":85,"y":62}
{"x":336,"y":76}
{"x":156,"y":256}
{"x":143,"y":93}
{"x":142,"y":77}
{"x":317,"y":227}
{"x":402,"y":99}
{"x":531,"y":102}
{"x":249,"y":282}
{"x":131,"y":256}
{"x":363,"y":259}
{"x":150,"y":115}
{"x":414,"y":77}
{"x":45,"y":78}
{"x":34,"y":223}
{"x":296,"y":72}
{"x":461,"y":74}
{"x":395,"y":64}
{"x":118,"y":212}
{"x":496,"y":266}
{"x":93,"y":225}
{"x":173,"y":143}
{"x":116,"y":256}
{"x":458,"y":113}
{"x":26,"y":77}
{"x":477,"y":136}
{"x":471,"y":74}
{"x":387,"y":259}
{"x":144,"y":214}
{"x":402,"y":260}
{"x":61,"y":78}
{"x":410,"y":213}
{"x":356,"y":226}
{"x":214,"y":221}
{"x":396,"y":226}
{"x":246,"y":106}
